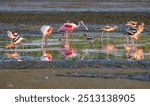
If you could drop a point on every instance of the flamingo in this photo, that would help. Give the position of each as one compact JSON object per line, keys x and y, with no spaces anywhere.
{"x":69,"y":27}
{"x":16,"y":39}
{"x":107,"y":29}
{"x":46,"y":32}
{"x":46,"y":56}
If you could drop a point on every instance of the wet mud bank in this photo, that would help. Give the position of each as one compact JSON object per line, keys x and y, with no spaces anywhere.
{"x":75,"y":64}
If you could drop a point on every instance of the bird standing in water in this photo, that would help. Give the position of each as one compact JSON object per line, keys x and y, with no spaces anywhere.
{"x":107,"y":29}
{"x":69,"y":27}
{"x":15,"y":39}
{"x":46,"y":32}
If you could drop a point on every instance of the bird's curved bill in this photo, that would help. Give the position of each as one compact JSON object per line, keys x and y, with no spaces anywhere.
{"x":85,"y":26}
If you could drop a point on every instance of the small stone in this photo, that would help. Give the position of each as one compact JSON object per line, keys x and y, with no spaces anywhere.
{"x":46,"y":77}
{"x":10,"y":85}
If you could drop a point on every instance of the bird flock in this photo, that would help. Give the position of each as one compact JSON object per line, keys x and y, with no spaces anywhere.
{"x":132,"y":51}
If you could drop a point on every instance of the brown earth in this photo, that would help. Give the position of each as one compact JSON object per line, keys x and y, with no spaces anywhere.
{"x":54,"y":78}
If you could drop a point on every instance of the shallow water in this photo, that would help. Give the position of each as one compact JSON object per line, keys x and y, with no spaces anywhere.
{"x":75,"y":6}
{"x":31,"y":49}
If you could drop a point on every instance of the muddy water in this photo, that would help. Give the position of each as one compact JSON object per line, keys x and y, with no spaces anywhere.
{"x":62,"y":6}
{"x":31,"y":49}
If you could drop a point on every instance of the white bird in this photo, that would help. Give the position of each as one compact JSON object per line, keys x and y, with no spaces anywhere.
{"x":46,"y":32}
{"x":16,"y":39}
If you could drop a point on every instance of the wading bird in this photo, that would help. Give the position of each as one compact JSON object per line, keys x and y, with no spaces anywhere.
{"x":140,"y":29}
{"x":46,"y":32}
{"x":107,"y":29}
{"x":69,"y":27}
{"x":89,"y":38}
{"x":131,"y":30}
{"x":15,"y":39}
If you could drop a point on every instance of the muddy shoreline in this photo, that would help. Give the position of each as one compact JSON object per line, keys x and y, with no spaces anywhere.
{"x":75,"y":64}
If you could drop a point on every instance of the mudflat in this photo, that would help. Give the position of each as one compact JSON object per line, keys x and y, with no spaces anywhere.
{"x":67,"y":78}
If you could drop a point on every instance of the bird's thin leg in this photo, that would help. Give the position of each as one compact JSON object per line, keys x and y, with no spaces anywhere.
{"x":62,"y":36}
{"x":42,"y":43}
{"x":107,"y":37}
{"x":67,"y":38}
{"x":46,"y":42}
{"x":84,"y":55}
{"x":102,"y":38}
{"x":71,"y":36}
{"x":127,"y":40}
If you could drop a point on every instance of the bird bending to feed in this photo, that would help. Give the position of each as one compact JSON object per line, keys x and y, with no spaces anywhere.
{"x":107,"y":29}
{"x":69,"y":27}
{"x":46,"y":32}
{"x":46,"y":55}
{"x":16,"y":39}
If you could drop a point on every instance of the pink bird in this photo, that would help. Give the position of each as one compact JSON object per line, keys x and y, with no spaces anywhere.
{"x":46,"y":32}
{"x":69,"y":27}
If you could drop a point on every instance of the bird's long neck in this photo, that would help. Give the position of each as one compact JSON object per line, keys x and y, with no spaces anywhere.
{"x":79,"y":24}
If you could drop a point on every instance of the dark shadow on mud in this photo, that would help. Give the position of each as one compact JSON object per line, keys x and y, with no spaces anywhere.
{"x":135,"y":76}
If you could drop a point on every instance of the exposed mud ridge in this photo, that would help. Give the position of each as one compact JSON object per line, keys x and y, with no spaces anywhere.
{"x":135,"y":76}
{"x":75,"y":64}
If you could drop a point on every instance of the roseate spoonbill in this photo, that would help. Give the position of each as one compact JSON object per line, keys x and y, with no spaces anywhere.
{"x":69,"y":27}
{"x":16,"y":39}
{"x":46,"y":55}
{"x":46,"y":32}
{"x":107,"y":29}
